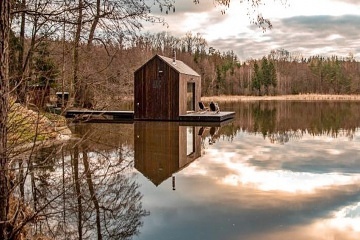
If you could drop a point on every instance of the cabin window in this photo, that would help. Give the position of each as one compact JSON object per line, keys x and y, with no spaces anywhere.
{"x":190,"y":140}
{"x":157,"y":82}
{"x":190,"y":97}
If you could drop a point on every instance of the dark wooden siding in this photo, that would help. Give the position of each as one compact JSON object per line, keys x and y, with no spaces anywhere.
{"x":156,"y":94}
{"x":161,"y":96}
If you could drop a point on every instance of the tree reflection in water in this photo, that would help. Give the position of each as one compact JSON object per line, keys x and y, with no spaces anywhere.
{"x":282,"y":121}
{"x":86,"y":190}
{"x":85,"y":194}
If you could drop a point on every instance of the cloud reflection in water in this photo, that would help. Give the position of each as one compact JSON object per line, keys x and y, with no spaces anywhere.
{"x":251,"y":188}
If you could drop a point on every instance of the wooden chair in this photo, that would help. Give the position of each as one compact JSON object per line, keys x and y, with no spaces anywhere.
{"x":214,"y":107}
{"x":202,"y":107}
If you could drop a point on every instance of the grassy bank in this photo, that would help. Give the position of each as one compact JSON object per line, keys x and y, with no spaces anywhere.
{"x":27,"y":126}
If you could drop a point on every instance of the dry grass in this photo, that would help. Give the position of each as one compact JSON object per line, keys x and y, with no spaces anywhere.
{"x":28,"y":129}
{"x":300,"y":97}
{"x":24,"y":125}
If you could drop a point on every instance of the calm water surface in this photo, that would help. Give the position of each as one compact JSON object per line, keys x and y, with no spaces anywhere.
{"x":279,"y":170}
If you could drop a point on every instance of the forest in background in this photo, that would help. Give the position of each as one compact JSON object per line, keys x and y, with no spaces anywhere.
{"x":106,"y":70}
{"x":92,"y":48}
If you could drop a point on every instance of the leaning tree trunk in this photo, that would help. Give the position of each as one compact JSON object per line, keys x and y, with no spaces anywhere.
{"x":4,"y":91}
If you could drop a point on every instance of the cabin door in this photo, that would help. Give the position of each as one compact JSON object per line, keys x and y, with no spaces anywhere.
{"x":190,"y":97}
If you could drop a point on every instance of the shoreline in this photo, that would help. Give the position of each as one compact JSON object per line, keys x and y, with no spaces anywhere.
{"x":299,"y":97}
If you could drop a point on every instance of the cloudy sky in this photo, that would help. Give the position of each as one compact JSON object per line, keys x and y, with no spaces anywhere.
{"x":306,"y":27}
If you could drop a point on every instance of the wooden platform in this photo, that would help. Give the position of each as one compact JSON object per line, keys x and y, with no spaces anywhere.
{"x":106,"y":115}
{"x":206,"y":123}
{"x":207,"y":116}
{"x":94,"y":115}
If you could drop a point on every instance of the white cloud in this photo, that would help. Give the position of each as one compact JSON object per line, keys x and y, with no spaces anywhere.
{"x":325,"y":27}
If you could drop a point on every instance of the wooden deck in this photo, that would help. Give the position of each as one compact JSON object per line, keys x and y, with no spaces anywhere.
{"x":93,"y":115}
{"x":98,"y":115}
{"x":207,"y":116}
{"x":206,"y":123}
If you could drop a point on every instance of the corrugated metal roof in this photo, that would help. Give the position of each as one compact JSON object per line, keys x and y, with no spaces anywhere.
{"x":179,"y":66}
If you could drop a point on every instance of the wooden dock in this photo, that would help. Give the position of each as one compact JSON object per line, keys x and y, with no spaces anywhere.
{"x":99,"y":115}
{"x":206,"y":123}
{"x":94,"y":115}
{"x":208,"y":116}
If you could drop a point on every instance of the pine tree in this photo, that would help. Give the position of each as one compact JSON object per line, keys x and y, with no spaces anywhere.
{"x":272,"y":72}
{"x":256,"y":79}
{"x":266,"y":78}
{"x":45,"y":68}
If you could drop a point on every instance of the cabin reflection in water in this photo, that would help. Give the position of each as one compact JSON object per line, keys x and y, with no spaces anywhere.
{"x":164,"y":148}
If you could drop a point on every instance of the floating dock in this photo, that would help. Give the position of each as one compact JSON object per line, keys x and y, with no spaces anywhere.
{"x":100,"y":115}
{"x":94,"y":115}
{"x":207,"y":116}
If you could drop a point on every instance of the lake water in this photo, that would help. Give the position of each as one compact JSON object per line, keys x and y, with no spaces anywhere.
{"x":279,"y":170}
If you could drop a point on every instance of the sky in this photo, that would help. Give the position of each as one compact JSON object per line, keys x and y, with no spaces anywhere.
{"x":302,"y":27}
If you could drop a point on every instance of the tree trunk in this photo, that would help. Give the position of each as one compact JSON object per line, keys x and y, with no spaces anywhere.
{"x":78,"y":192}
{"x":94,"y":23}
{"x":92,"y":193}
{"x":21,"y":89}
{"x":5,"y":6}
{"x":77,"y":82}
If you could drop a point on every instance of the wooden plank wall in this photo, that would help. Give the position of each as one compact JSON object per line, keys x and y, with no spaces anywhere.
{"x":161,"y":96}
{"x":184,"y":79}
{"x":156,"y":95}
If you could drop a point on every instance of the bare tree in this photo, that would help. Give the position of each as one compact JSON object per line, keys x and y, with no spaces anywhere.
{"x":21,"y":87}
{"x":76,"y":79}
{"x":5,"y":7}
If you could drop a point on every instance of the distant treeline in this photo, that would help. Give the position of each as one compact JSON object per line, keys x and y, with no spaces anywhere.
{"x":105,"y":71}
{"x":282,"y":121}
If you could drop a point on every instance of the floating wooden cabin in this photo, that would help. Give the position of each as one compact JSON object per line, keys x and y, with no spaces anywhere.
{"x":164,"y":89}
